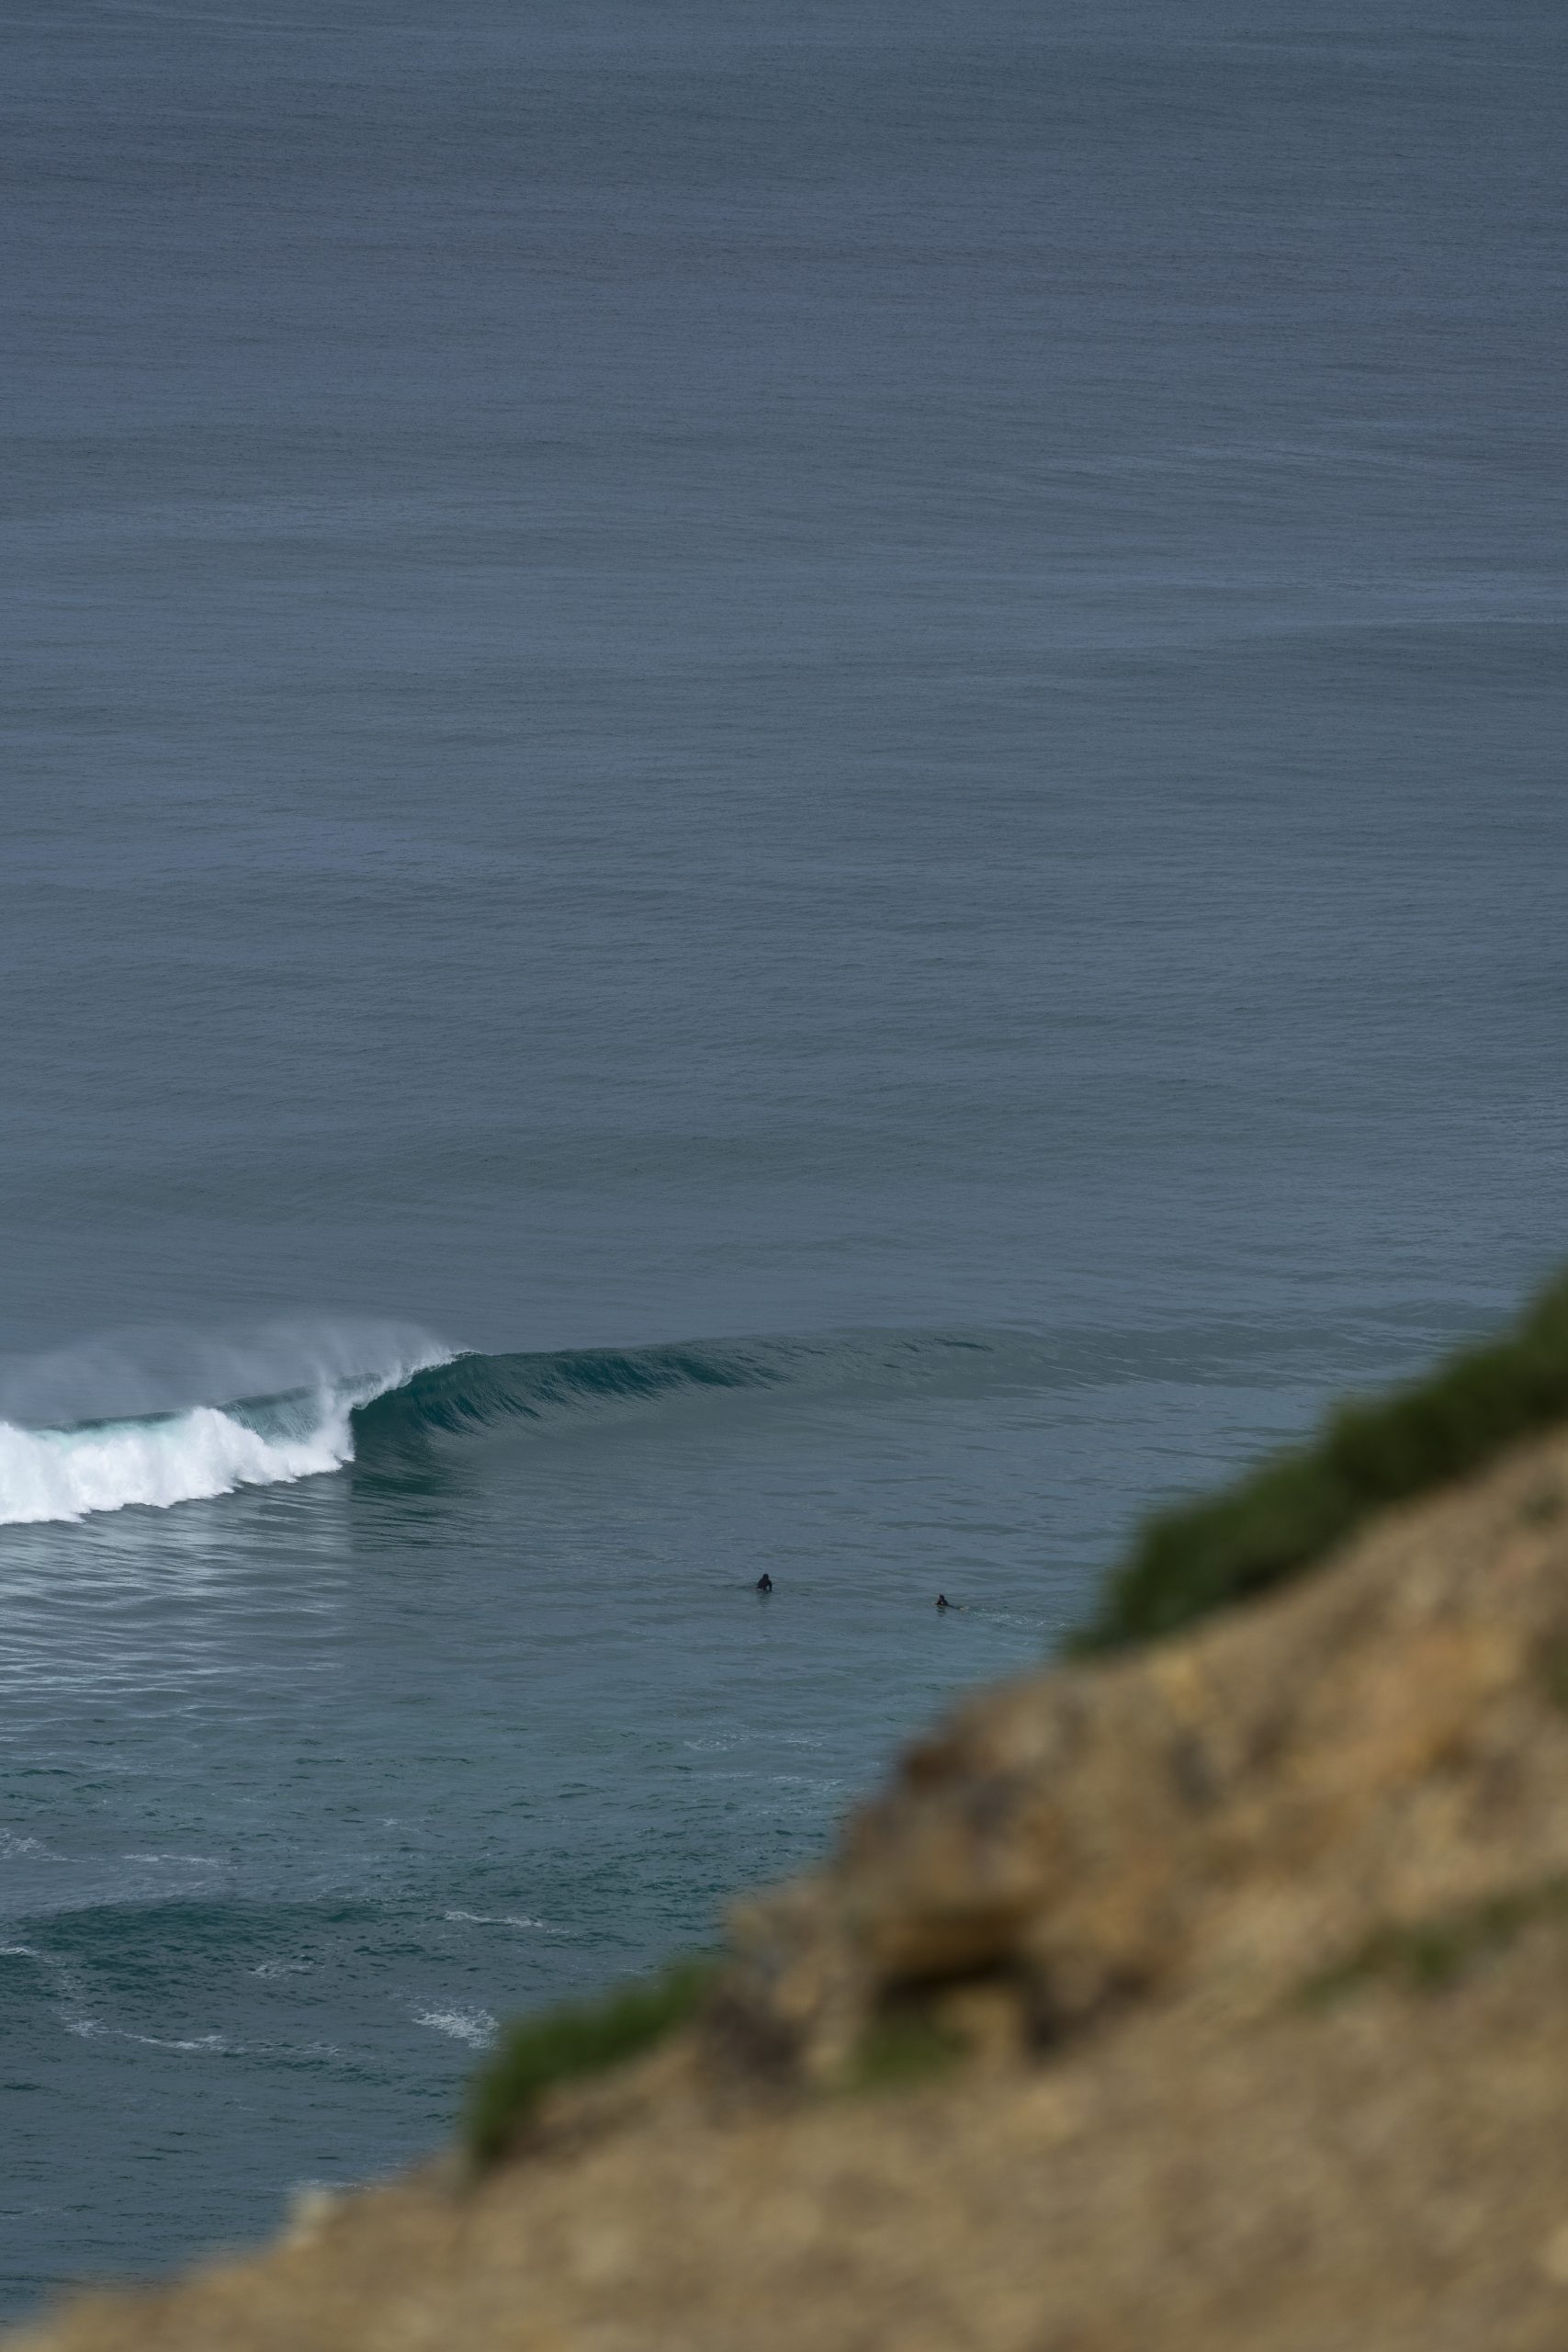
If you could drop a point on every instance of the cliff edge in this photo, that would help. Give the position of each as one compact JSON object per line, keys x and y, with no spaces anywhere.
{"x":1206,"y":1994}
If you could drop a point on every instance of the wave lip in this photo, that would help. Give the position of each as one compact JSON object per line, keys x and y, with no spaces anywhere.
{"x":469,"y":1394}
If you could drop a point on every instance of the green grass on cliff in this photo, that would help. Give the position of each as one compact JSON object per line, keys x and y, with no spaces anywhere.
{"x":565,"y":2044}
{"x":1295,"y":1508}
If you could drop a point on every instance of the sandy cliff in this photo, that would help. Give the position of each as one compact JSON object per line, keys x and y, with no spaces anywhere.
{"x":1209,"y":1996}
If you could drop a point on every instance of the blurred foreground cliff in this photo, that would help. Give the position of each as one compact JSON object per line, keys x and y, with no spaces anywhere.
{"x":1215,"y":1995}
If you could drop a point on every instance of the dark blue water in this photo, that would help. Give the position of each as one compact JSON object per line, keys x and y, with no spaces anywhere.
{"x":863,"y":706}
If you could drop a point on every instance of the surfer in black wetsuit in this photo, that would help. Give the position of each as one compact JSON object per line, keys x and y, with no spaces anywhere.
{"x":943,"y":1601}
{"x":764,"y":1582}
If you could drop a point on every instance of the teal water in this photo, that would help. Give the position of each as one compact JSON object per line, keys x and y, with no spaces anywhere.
{"x":782,"y":789}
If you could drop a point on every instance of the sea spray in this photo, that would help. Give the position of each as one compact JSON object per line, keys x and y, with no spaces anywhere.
{"x":140,"y":1371}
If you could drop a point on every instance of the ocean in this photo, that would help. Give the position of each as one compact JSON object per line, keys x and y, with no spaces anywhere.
{"x":783,"y":792}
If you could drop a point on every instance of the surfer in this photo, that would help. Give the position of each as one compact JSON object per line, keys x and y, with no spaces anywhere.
{"x":764,"y":1582}
{"x":943,"y":1601}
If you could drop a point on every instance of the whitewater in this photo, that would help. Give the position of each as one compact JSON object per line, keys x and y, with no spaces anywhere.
{"x":65,"y":1473}
{"x":158,"y":1459}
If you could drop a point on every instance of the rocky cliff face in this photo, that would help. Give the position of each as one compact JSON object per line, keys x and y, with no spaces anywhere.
{"x":1212,"y":1997}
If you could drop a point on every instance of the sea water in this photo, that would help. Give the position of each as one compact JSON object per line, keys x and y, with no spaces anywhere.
{"x":782,"y":791}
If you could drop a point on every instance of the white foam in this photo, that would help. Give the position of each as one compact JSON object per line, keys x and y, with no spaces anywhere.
{"x":190,"y":1456}
{"x":496,"y":1920}
{"x":66,"y":1474}
{"x":476,"y":2027}
{"x":163,"y":2041}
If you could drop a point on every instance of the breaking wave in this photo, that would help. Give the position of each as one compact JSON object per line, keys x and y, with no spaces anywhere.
{"x":65,"y":1473}
{"x":396,"y":1417}
{"x":192,"y":1452}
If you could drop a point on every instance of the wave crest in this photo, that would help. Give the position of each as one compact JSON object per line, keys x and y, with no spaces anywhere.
{"x":470,"y":1393}
{"x":393,"y":1418}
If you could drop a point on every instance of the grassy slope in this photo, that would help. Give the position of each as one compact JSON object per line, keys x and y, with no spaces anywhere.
{"x":1294,"y":1508}
{"x":562,"y":2045}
